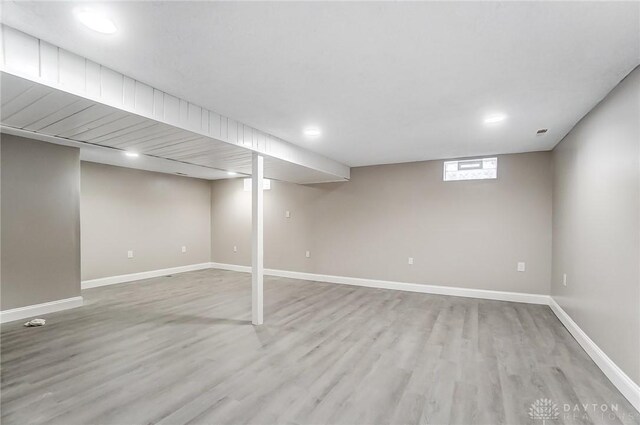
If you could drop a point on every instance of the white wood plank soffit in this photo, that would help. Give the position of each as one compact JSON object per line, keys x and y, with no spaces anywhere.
{"x":50,"y":91}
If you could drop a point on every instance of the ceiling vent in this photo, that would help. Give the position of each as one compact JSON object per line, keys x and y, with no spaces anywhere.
{"x":541,"y":131}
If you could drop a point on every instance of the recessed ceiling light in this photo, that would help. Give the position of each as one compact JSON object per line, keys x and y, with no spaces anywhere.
{"x":96,"y":21}
{"x":494,"y":118}
{"x":312,"y":131}
{"x":132,"y":154}
{"x":231,"y":173}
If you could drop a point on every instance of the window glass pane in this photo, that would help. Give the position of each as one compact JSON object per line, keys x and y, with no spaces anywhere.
{"x":451,"y":166}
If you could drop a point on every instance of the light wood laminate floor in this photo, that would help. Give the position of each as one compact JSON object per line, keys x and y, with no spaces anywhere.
{"x":181,"y":349}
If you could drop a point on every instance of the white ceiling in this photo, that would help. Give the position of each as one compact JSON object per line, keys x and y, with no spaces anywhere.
{"x":386,"y":82}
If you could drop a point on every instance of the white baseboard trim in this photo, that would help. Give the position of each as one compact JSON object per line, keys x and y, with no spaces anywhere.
{"x":400,"y":286}
{"x":112,"y":280}
{"x":416,"y":287}
{"x":618,"y":378}
{"x":231,"y":267}
{"x":622,"y":382}
{"x":39,"y":309}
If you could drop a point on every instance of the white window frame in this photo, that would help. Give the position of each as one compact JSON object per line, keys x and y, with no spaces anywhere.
{"x":470,"y":169}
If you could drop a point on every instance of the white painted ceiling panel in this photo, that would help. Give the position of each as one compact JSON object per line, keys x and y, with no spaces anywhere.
{"x":39,"y":109}
{"x":146,"y":143}
{"x":23,"y":100}
{"x":152,"y":132}
{"x":109,"y":126}
{"x":47,"y":120}
{"x":125,"y":133}
{"x":12,"y":91}
{"x":81,"y":121}
{"x":103,"y":133}
{"x":158,"y":134}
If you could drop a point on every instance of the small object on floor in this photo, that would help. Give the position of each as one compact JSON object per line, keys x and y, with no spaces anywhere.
{"x":35,"y":322}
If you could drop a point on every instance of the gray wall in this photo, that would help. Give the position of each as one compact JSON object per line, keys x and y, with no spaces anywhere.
{"x":40,"y":222}
{"x":468,"y":234}
{"x":596,"y":225}
{"x":153,"y":214}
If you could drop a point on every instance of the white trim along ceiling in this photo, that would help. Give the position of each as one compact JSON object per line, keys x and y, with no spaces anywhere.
{"x":51,"y":94}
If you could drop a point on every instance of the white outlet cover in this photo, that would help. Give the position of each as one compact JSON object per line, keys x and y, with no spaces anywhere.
{"x":564,"y":279}
{"x":184,"y":249}
{"x":287,"y":214}
{"x":235,"y":248}
{"x":129,"y":254}
{"x":410,"y":260}
{"x":521,"y":267}
{"x":308,"y":254}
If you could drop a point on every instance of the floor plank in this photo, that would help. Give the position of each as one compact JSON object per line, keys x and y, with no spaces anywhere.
{"x":181,"y":349}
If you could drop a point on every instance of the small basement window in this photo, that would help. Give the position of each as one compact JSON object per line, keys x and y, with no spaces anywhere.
{"x":471,"y":169}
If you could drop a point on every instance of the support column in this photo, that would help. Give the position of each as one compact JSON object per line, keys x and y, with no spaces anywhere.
{"x":257,"y":225}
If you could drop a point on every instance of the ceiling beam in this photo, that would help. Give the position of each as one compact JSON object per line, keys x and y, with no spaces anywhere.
{"x":36,"y":60}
